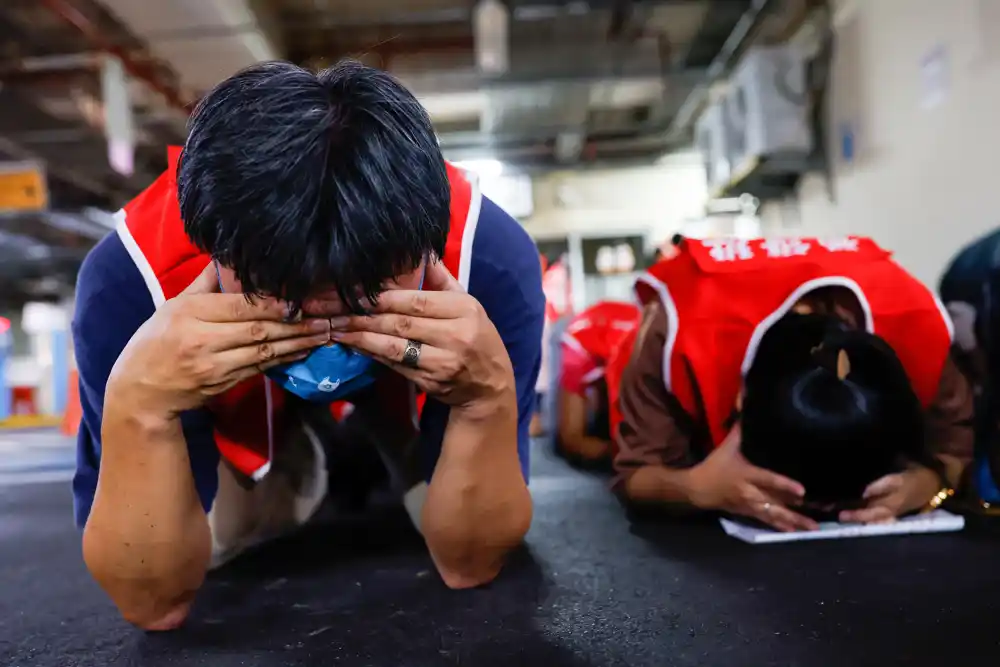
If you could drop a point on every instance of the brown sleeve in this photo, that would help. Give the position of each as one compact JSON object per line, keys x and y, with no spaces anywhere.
{"x":649,"y":433}
{"x":949,"y":418}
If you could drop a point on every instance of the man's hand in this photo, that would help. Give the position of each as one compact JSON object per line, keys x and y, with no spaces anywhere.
{"x":462,"y":360}
{"x":477,"y":506}
{"x":894,"y":495}
{"x":202,"y":343}
{"x":728,"y":482}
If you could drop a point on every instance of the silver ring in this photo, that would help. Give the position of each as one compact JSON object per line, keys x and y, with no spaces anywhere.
{"x":411,"y":354}
{"x":767,"y":507}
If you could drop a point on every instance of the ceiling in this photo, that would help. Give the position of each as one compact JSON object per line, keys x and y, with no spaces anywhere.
{"x":588,"y":82}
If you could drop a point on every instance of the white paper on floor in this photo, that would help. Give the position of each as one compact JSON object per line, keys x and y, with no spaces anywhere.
{"x":938,"y":521}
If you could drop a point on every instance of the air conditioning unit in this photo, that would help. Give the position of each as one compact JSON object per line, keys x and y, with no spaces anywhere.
{"x":710,"y":137}
{"x":767,"y":109}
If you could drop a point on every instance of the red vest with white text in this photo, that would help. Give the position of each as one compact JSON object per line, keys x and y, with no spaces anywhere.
{"x":597,"y":330}
{"x":721,"y":295}
{"x":151,"y":229}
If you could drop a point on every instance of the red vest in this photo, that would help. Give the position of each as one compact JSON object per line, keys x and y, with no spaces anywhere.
{"x":721,"y":295}
{"x":597,"y":330}
{"x":151,"y":229}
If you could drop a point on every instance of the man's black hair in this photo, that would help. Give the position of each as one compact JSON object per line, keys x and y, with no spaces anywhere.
{"x":833,"y":435}
{"x":299,"y":181}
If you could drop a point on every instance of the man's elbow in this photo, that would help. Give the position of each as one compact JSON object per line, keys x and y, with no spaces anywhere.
{"x":459,"y":579}
{"x":157,"y":622}
{"x":483,"y":564}
{"x":137,"y":602}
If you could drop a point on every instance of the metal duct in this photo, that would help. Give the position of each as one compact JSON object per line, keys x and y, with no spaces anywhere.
{"x":231,"y":39}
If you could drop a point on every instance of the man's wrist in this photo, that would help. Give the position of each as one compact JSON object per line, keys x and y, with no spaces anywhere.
{"x":122,"y":411}
{"x":499,"y":406}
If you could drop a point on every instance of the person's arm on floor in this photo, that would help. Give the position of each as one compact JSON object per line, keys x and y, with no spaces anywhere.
{"x":577,"y":368}
{"x":950,"y":439}
{"x":478,"y":506}
{"x":147,"y":540}
{"x":481,"y":352}
{"x":573,"y":437}
{"x":656,"y":464}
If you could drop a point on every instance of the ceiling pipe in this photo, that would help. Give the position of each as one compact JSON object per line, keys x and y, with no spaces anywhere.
{"x":522,"y":11}
{"x":717,"y":69}
{"x":71,"y":14}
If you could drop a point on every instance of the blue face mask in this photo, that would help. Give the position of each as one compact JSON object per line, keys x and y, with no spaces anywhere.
{"x":329,"y":374}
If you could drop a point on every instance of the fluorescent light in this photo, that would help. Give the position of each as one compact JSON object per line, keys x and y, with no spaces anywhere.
{"x":490,"y":28}
{"x":485,"y":168}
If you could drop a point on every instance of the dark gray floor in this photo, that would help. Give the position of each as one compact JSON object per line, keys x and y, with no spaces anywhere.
{"x":590,"y":590}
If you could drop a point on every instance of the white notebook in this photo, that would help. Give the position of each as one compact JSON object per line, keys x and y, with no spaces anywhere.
{"x":938,"y":521}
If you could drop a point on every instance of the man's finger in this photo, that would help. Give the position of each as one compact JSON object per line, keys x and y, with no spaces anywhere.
{"x":241,"y":374}
{"x":262,"y":355}
{"x":437,"y":277}
{"x":422,"y":303}
{"x":774,"y":483}
{"x":883,"y":486}
{"x":435,"y":332}
{"x":236,"y":308}
{"x":390,"y":348}
{"x":233,"y":335}
{"x":207,"y":281}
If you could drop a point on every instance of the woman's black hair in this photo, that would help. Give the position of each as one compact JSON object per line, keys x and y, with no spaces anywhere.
{"x":835,"y":430}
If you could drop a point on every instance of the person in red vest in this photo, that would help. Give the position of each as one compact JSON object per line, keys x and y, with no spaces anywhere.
{"x":751,"y":343}
{"x":308,"y":245}
{"x":590,"y":341}
{"x":614,"y":371}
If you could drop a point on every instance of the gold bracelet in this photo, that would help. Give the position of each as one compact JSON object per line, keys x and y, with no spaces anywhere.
{"x":939,"y":498}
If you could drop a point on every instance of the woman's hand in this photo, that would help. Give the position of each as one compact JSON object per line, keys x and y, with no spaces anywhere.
{"x":726,"y":481}
{"x":440,"y":338}
{"x":895,"y":495}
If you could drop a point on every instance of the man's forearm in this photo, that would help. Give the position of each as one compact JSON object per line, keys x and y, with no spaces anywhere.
{"x":478,"y":506}
{"x":147,"y":541}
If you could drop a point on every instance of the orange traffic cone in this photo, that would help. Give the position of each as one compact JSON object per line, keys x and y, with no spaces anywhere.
{"x":74,"y":413}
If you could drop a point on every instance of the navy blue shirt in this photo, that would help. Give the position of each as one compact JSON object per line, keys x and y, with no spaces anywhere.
{"x":112,"y":302}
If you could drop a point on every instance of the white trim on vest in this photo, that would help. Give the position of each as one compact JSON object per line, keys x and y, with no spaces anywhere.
{"x":570,"y":341}
{"x":593,"y":376}
{"x":141,"y":263}
{"x":673,"y":322}
{"x":795,"y":297}
{"x":156,"y":289}
{"x":946,"y":316}
{"x":469,"y":232}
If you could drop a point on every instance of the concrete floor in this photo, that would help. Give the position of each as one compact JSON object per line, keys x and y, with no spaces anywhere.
{"x":33,"y":456}
{"x":590,"y":590}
